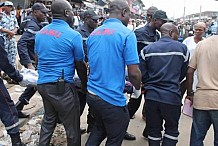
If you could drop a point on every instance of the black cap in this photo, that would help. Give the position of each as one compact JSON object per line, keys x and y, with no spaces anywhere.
{"x":40,"y":6}
{"x":2,"y":4}
{"x":92,"y":14}
{"x":159,"y":14}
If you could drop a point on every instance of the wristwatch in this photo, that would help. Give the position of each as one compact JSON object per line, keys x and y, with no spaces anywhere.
{"x":190,"y":93}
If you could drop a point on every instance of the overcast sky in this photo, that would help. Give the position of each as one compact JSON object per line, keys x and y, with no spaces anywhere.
{"x":175,"y":8}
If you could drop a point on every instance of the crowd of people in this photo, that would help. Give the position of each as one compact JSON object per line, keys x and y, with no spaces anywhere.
{"x":99,"y":59}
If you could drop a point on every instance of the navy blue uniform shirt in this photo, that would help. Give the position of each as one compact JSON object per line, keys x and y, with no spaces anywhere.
{"x":6,"y":66}
{"x":85,"y":34}
{"x":145,"y":36}
{"x":26,"y":43}
{"x":163,"y":65}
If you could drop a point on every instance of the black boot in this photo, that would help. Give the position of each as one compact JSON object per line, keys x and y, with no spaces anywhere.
{"x":15,"y":140}
{"x":82,"y":130}
{"x":129,"y":136}
{"x":19,"y":106}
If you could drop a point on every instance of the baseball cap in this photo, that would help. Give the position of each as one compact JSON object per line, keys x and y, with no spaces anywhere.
{"x":1,"y":4}
{"x":8,"y":3}
{"x":40,"y":6}
{"x":92,"y":14}
{"x":159,"y":14}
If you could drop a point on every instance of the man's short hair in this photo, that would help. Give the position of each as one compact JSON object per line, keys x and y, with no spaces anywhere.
{"x":118,"y":5}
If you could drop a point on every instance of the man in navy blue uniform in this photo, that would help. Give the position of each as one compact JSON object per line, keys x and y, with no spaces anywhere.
{"x":90,"y":23}
{"x":147,"y":35}
{"x":60,"y":51}
{"x":26,"y":53}
{"x":163,"y":65}
{"x":111,"y":47}
{"x":8,"y":112}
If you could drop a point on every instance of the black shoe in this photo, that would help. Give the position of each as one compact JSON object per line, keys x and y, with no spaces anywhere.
{"x":82,"y":130}
{"x":15,"y":139}
{"x":22,"y":115}
{"x":19,"y":105}
{"x":19,"y":144}
{"x":129,"y":136}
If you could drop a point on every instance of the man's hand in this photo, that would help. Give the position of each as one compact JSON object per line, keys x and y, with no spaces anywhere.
{"x":190,"y":98}
{"x":30,"y":66}
{"x":10,"y":34}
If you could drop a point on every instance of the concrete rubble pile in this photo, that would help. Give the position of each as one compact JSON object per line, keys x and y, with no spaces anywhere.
{"x":30,"y":133}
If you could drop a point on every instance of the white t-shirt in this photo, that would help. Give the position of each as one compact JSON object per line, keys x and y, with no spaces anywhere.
{"x":76,"y":22}
{"x":191,"y":45}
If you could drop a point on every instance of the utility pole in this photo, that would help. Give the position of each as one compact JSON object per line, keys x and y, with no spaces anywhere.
{"x":200,"y":12}
{"x":184,"y":12}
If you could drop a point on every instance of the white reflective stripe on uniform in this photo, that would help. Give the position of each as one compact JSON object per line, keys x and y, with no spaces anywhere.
{"x":154,"y":138}
{"x":170,"y":137}
{"x":142,"y":54}
{"x":12,"y":126}
{"x":25,"y":20}
{"x":166,"y":54}
{"x":145,"y":42}
{"x":91,"y":92}
{"x":187,"y":55}
{"x":84,"y":39}
{"x":31,"y":31}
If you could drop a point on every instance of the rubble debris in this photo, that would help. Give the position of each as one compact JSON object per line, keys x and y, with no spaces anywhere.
{"x":30,"y":133}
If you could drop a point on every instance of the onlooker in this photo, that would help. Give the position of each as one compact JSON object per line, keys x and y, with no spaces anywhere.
{"x":191,"y":43}
{"x":8,"y":114}
{"x":163,"y":65}
{"x":90,"y":23}
{"x":205,"y":102}
{"x":8,"y":29}
{"x":186,"y":29}
{"x":60,"y":52}
{"x":26,"y":50}
{"x":76,"y":20}
{"x":81,"y":19}
{"x":144,"y":35}
{"x":111,"y":47}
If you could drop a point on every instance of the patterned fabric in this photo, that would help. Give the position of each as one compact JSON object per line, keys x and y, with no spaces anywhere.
{"x":9,"y":23}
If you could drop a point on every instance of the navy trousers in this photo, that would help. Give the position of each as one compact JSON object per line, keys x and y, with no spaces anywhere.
{"x":111,"y":122}
{"x":156,"y":113}
{"x":8,"y":112}
{"x":27,"y":94}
